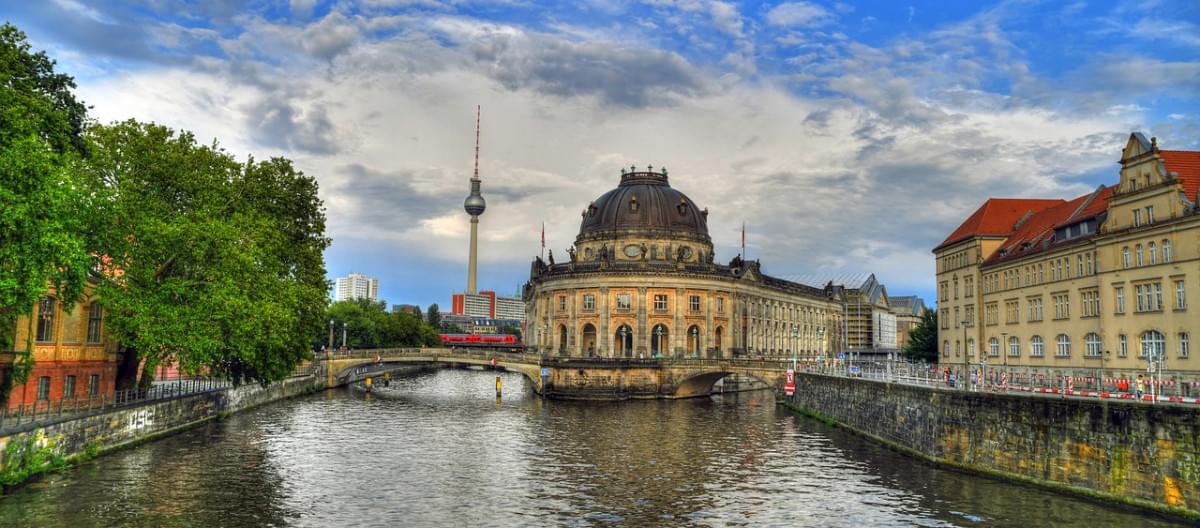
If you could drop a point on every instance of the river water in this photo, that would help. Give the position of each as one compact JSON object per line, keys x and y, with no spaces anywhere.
{"x":438,"y":449}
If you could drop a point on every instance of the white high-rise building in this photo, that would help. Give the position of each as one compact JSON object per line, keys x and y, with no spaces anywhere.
{"x":356,"y":286}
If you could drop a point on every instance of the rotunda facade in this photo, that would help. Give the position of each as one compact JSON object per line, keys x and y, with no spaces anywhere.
{"x":641,"y":281}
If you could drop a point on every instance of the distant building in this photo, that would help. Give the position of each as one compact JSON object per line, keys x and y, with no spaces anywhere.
{"x":908,"y":311}
{"x":356,"y":286}
{"x":407,"y":308}
{"x":486,"y":304}
{"x":871,"y":325}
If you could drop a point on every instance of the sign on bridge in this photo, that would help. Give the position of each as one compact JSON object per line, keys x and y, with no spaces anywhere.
{"x":789,"y":386}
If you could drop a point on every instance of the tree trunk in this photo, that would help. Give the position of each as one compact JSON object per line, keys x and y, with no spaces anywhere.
{"x":127,"y":369}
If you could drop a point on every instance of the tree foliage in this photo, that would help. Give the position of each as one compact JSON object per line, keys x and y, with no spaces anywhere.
{"x":922,"y":339}
{"x":369,"y":325}
{"x":216,"y":264}
{"x":42,"y":207}
{"x":434,"y":316}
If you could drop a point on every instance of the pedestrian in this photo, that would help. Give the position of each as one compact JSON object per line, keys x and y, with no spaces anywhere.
{"x":1140,"y":386}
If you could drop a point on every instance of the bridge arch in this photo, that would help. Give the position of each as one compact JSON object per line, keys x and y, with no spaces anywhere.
{"x":701,"y":384}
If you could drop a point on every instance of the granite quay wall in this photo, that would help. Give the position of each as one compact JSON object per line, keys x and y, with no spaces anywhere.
{"x":44,"y":447}
{"x":1135,"y":453}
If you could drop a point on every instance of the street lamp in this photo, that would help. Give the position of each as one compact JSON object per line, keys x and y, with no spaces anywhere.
{"x":624,"y":349}
{"x":821,"y":345}
{"x":795,"y":343}
{"x":696,"y":342}
{"x":658,"y":331}
{"x":965,"y":360}
{"x":331,"y":336}
{"x":344,"y":325}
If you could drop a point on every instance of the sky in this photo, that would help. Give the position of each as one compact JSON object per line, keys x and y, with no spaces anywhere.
{"x":848,"y":137}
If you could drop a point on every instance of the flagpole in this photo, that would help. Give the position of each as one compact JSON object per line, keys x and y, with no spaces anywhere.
{"x":542,"y":254}
{"x":744,"y":255}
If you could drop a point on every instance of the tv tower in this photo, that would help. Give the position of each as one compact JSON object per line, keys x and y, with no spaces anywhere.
{"x":474,"y":206}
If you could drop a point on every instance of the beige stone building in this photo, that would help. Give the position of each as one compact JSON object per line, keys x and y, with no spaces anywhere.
{"x":1090,"y":287}
{"x":908,"y":311}
{"x":641,"y":282}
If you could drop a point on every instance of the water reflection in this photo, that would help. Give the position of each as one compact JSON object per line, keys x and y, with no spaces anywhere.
{"x":439,"y":449}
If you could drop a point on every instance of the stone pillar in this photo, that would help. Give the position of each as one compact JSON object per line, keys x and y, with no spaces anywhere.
{"x":573,"y":339}
{"x":709,"y":306}
{"x":604,"y":338}
{"x":679,"y":336}
{"x":640,"y":343}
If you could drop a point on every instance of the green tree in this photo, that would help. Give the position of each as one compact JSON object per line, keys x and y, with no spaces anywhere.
{"x":42,"y":208}
{"x":511,"y":329}
{"x":215,"y":264}
{"x":369,"y":325}
{"x":434,"y":316}
{"x":922,"y":339}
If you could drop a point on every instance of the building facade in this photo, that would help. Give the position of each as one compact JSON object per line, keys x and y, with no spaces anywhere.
{"x":486,"y":304}
{"x":1095,"y":286}
{"x":356,"y":286}
{"x":640,"y":281}
{"x":72,"y":355}
{"x":908,"y":311}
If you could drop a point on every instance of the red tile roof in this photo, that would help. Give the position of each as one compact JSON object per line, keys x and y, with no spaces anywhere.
{"x":997,"y":216}
{"x":1036,"y":234}
{"x":1187,"y":164}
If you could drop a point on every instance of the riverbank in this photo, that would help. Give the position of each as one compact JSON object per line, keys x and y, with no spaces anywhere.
{"x":43,"y":448}
{"x":1115,"y":452}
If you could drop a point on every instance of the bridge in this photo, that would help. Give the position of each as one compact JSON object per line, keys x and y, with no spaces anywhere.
{"x":568,"y":377}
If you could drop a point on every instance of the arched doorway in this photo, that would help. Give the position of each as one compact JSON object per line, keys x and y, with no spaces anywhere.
{"x":562,"y":339}
{"x":623,"y":340}
{"x":693,"y":341}
{"x":717,"y":335}
{"x":660,"y":338}
{"x":589,"y":340}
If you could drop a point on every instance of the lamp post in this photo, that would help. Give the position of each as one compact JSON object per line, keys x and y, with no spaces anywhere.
{"x":821,"y":345}
{"x":795,"y":343}
{"x":966,"y":361}
{"x":658,"y":341}
{"x":331,"y":336}
{"x":344,"y":325}
{"x":696,"y":342}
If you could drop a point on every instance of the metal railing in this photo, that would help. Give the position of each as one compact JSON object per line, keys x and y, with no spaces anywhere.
{"x":49,"y":411}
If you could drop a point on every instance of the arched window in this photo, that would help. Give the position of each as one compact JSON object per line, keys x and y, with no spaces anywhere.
{"x":1125,"y":257}
{"x":946,"y":348}
{"x":1014,"y":347}
{"x":1036,"y":346}
{"x":1064,"y":346}
{"x":1153,"y":343}
{"x":717,"y":339}
{"x":562,"y":339}
{"x":1153,"y":254}
{"x":624,"y":341}
{"x":1166,"y":250}
{"x":659,"y":339}
{"x":1092,"y":342}
{"x":993,"y":347}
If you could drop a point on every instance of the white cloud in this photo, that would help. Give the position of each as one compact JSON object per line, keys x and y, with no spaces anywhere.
{"x":798,"y":14}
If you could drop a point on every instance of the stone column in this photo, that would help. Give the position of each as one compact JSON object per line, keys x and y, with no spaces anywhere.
{"x":678,"y":336}
{"x":604,"y":337}
{"x":573,"y":338}
{"x":640,"y":344}
{"x":709,"y":306}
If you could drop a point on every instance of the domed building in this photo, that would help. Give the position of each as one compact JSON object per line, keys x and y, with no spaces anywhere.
{"x":640,"y":281}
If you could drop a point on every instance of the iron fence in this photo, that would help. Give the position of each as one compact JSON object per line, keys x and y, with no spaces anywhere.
{"x":48,"y":411}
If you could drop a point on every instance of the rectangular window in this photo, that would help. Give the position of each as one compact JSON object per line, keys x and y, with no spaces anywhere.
{"x":43,"y":388}
{"x":660,"y":302}
{"x":1184,"y":345}
{"x":623,"y":302}
{"x":1012,"y":312}
{"x":589,"y":302}
{"x":720,"y":305}
{"x":93,"y":385}
{"x":1120,"y":298}
{"x":69,"y":387}
{"x":1037,"y":347}
{"x":1062,"y":306}
{"x":95,"y":317}
{"x":45,"y":323}
{"x":945,"y":291}
{"x":945,"y":317}
{"x":1180,"y":296}
{"x":562,"y":303}
{"x":1149,"y":214}
{"x":1137,"y":217}
{"x":694,"y":303}
{"x":1122,"y":346}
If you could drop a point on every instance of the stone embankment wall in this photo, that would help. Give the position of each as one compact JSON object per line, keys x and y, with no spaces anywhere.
{"x":1137,"y":453}
{"x":97,"y":432}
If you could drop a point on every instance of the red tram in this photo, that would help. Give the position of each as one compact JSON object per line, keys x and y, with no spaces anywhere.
{"x":502,"y":341}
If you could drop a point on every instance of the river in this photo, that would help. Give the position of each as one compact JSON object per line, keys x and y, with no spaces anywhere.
{"x":438,"y":449}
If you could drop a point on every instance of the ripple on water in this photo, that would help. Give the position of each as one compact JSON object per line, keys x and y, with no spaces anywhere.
{"x":437,"y":449}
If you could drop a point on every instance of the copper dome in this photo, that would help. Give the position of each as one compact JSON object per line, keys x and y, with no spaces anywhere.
{"x":644,"y":202}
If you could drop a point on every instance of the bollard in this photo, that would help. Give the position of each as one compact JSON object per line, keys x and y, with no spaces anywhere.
{"x":499,"y":386}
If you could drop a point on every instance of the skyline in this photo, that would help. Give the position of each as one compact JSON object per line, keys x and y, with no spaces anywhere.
{"x":893,"y":122}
